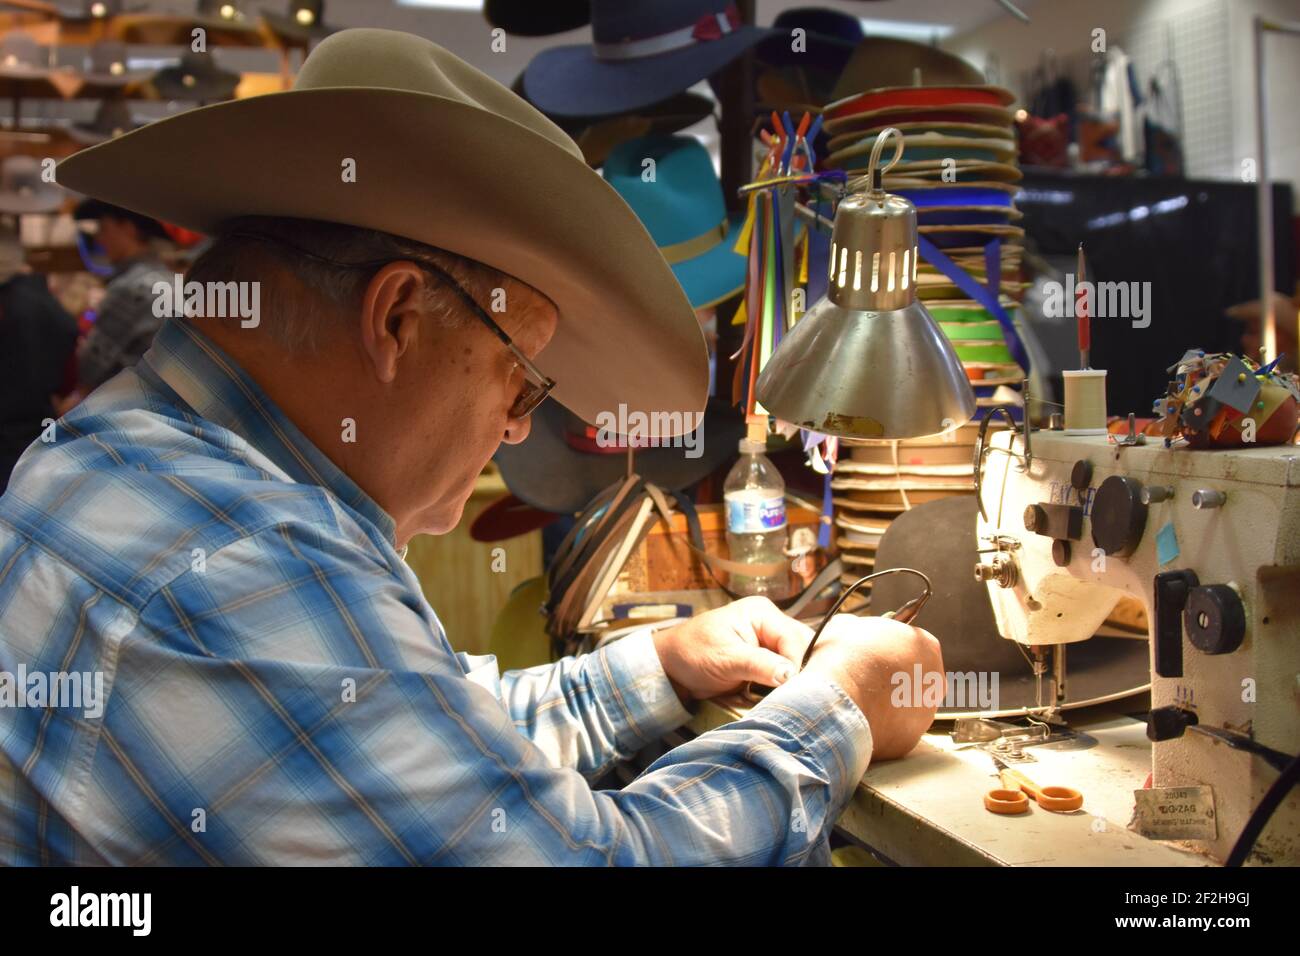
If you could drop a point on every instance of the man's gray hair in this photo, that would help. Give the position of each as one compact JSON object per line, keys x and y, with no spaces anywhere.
{"x":291,"y":316}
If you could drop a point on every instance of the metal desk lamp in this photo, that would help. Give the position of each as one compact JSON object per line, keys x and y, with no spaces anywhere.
{"x":868,"y":361}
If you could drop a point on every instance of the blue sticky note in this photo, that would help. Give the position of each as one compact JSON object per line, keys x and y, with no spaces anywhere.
{"x":1166,"y":544}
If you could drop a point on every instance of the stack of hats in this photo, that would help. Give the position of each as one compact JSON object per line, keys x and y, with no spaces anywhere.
{"x":959,"y":169}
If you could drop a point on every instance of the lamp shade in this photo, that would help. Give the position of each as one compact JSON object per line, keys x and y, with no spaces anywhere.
{"x":867,"y":360}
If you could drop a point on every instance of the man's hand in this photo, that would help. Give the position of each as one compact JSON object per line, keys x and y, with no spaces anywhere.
{"x":751,"y":640}
{"x":862,"y":655}
{"x":716,"y":652}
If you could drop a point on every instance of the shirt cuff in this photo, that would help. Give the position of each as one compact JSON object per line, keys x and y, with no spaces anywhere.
{"x":830,"y":726}
{"x":630,"y":681}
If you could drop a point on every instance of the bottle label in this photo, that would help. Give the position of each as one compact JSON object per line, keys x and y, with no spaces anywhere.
{"x":754,"y":516}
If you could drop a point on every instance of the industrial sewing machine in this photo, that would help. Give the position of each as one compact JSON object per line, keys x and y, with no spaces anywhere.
{"x":1209,"y":541}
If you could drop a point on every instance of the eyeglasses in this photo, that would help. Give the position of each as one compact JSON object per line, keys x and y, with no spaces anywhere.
{"x":536,"y":385}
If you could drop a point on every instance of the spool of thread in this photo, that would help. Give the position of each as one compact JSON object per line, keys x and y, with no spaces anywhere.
{"x":1085,"y":401}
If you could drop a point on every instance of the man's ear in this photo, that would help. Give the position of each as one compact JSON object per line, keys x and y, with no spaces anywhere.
{"x":390,"y":316}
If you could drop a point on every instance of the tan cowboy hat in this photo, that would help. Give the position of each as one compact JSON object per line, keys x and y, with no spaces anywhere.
{"x":447,"y":156}
{"x":885,"y":61}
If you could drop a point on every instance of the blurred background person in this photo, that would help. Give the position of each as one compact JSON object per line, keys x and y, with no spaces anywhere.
{"x":37,"y":343}
{"x":124,"y":322}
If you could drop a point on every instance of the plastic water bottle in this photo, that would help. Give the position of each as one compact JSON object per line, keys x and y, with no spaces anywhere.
{"x":756,"y":529}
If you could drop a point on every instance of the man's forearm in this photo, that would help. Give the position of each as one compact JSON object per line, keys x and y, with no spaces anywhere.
{"x":587,"y":712}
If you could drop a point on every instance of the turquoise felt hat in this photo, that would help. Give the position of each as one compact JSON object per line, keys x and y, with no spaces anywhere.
{"x":682,"y":208}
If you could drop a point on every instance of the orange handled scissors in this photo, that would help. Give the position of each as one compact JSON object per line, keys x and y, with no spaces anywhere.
{"x":1013,"y":799}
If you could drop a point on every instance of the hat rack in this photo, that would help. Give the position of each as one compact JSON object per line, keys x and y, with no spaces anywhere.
{"x":67,"y":75}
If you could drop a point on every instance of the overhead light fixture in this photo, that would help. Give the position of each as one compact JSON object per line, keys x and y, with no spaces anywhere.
{"x":443,"y":4}
{"x":867,"y":360}
{"x":907,"y":29}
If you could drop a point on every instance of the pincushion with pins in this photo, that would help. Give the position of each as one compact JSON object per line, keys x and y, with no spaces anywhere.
{"x":1221,"y":400}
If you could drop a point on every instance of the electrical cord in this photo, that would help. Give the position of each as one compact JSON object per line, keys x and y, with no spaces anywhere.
{"x":755,"y":692}
{"x":1259,"y":819}
{"x":904,"y":614}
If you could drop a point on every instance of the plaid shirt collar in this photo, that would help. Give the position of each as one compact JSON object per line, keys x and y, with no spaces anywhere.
{"x":187,"y":364}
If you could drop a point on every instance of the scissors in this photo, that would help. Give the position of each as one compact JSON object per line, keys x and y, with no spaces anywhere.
{"x":1013,"y":799}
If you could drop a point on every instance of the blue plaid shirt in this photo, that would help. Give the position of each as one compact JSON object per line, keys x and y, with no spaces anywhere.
{"x":276,"y":689}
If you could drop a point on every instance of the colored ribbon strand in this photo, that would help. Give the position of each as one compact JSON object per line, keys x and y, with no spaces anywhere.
{"x":984,"y":295}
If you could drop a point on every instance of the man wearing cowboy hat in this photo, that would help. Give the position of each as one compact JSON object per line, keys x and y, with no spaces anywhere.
{"x":125,"y":321}
{"x":216,"y":536}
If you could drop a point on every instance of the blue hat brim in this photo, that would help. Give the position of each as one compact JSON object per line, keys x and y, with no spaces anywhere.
{"x":570,"y":81}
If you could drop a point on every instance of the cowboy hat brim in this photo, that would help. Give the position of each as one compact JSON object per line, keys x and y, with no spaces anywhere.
{"x":545,"y":471}
{"x":445,"y":172}
{"x":571,"y":81}
{"x":887,"y":61}
{"x":954,"y":128}
{"x":934,"y":169}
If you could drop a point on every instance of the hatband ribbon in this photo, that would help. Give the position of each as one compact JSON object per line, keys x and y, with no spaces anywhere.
{"x":690,"y":248}
{"x":711,"y":26}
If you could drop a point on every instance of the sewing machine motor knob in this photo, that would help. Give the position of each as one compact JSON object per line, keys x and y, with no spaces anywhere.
{"x":1169,"y":723}
{"x":1118,"y":516}
{"x":1204,"y":498}
{"x":1215,"y":619}
{"x":1081,"y":475}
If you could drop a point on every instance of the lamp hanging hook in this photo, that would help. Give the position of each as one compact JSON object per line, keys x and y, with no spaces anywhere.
{"x":874,"y":170}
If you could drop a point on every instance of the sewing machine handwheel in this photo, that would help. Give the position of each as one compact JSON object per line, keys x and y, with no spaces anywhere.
{"x":1118,"y":516}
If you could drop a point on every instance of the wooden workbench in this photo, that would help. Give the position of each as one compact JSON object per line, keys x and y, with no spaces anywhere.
{"x":927,"y":809}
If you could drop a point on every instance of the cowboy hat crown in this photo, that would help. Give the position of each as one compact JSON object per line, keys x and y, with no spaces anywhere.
{"x":389,"y":131}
